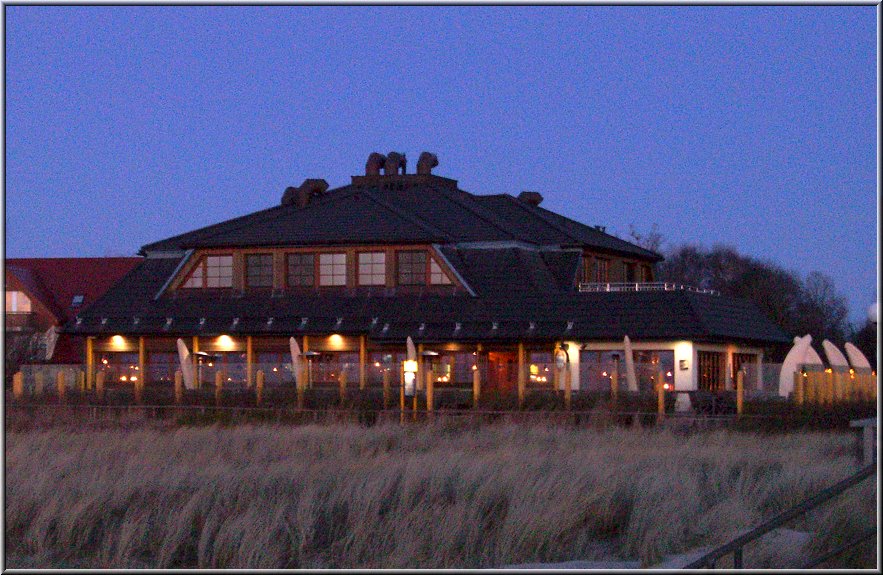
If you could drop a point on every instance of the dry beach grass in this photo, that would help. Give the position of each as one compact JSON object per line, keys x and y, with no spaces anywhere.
{"x":268,"y":496}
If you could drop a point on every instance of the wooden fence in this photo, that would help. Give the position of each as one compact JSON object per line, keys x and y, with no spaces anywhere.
{"x":834,"y":387}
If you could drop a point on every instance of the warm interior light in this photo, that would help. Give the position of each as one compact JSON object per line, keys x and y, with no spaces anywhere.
{"x":376,"y":364}
{"x":534,"y":369}
{"x":118,"y":341}
{"x":666,"y":386}
{"x":603,"y":374}
{"x":133,"y":378}
{"x":226,"y":342}
{"x":410,"y":366}
{"x":474,"y":367}
{"x":123,"y":378}
{"x":335,"y":341}
{"x":275,"y":369}
{"x":667,"y":374}
{"x":104,"y":360}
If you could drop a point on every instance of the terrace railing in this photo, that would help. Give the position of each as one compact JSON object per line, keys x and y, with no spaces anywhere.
{"x":640,"y":286}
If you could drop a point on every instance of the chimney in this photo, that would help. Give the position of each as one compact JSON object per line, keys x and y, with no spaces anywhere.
{"x":426,"y":162}
{"x":301,"y":196}
{"x":532,"y":198}
{"x":374,"y":163}
{"x":394,"y":161}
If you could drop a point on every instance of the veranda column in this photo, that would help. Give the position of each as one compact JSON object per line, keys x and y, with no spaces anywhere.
{"x":363,"y":359}
{"x":419,"y":381}
{"x":476,"y":378}
{"x":142,"y":364}
{"x":249,"y":363}
{"x":521,"y":379}
{"x":195,"y":362}
{"x":90,"y":362}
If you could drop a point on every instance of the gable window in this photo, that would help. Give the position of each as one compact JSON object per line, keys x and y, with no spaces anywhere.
{"x":372,"y":268}
{"x":259,"y":270}
{"x":301,"y":270}
{"x":437,"y":276}
{"x":332,"y":269}
{"x":211,"y":272}
{"x":601,"y":269}
{"x":17,"y":302}
{"x":411,"y":268}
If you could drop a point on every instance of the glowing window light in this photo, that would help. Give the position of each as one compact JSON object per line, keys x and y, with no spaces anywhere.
{"x":226,"y":342}
{"x":117,"y":341}
{"x":124,"y":378}
{"x":133,"y":378}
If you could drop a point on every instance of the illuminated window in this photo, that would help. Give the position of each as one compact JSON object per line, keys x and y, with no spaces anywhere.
{"x":259,"y":270}
{"x":372,"y":269}
{"x":332,"y":269}
{"x":17,"y":302}
{"x":301,"y":270}
{"x":212,"y":272}
{"x":411,"y":267}
{"x":437,"y":276}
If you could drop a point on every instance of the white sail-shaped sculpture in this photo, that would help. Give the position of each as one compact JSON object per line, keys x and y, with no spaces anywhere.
{"x":791,"y":363}
{"x":812,"y":357}
{"x":857,"y":359}
{"x":295,"y":361}
{"x":186,"y":365}
{"x":412,"y":351}
{"x":630,"y":376}
{"x":836,"y":359}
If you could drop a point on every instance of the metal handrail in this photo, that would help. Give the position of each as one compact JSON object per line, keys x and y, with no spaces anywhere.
{"x":735,"y":546}
{"x":640,"y":286}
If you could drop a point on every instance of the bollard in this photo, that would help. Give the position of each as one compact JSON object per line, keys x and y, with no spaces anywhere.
{"x":342,"y":381}
{"x":18,"y":385}
{"x":99,"y":384}
{"x":476,"y":387}
{"x":740,"y":392}
{"x":259,"y":387}
{"x":61,"y":386}
{"x":38,"y":382}
{"x":179,"y":386}
{"x":219,"y":387}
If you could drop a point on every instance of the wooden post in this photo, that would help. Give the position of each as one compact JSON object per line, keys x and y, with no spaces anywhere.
{"x":81,"y":381}
{"x":306,"y":365}
{"x":660,"y":401}
{"x":809,"y":393}
{"x":38,"y":382}
{"x":18,"y":385}
{"x":476,"y":385}
{"x":521,"y":382}
{"x":219,"y":387}
{"x":90,"y":362}
{"x":568,"y":386}
{"x":418,"y":382}
{"x":99,"y":384}
{"x":402,"y":393}
{"x":342,"y":380}
{"x":142,"y":363}
{"x":829,"y":387}
{"x":249,"y":364}
{"x":740,"y":391}
{"x":60,"y":385}
{"x":179,"y":386}
{"x":839,"y":379}
{"x":799,"y":385}
{"x":259,"y":387}
{"x":363,"y":359}
{"x":386,"y":378}
{"x":195,"y":362}
{"x":429,"y":390}
{"x":614,"y":386}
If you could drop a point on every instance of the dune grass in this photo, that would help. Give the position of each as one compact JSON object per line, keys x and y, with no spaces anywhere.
{"x":344,"y":496}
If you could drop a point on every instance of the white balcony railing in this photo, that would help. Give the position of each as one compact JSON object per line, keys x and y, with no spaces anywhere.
{"x":640,"y":286}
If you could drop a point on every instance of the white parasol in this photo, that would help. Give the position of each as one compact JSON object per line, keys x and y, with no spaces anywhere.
{"x":296,"y":361}
{"x":186,"y":364}
{"x":630,"y":376}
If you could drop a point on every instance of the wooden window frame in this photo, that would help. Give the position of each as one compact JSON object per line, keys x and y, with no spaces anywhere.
{"x":358,"y":263}
{"x":427,"y":255}
{"x":245,"y":275}
{"x":202,"y":265}
{"x":287,"y":280}
{"x":596,"y":268}
{"x":345,"y":265}
{"x":441,"y":270}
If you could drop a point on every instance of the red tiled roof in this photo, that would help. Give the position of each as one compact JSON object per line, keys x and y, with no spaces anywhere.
{"x":56,"y":281}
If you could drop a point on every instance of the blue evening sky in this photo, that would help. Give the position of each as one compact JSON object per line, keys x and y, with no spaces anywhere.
{"x":749,"y":126}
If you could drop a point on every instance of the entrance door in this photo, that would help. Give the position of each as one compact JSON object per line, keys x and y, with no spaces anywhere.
{"x":502,"y":371}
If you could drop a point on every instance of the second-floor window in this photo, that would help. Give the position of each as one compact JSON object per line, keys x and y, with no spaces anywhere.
{"x":259,"y":270}
{"x":301,"y":270}
{"x":372,"y":268}
{"x":212,"y":272}
{"x":17,"y":302}
{"x":601,"y":269}
{"x":332,"y":269}
{"x":411,"y":267}
{"x":437,"y":276}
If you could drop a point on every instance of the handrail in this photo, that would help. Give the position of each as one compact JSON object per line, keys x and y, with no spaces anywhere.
{"x":640,"y":286}
{"x":735,"y":546}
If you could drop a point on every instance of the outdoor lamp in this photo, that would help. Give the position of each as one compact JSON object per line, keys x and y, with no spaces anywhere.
{"x":410,"y":367}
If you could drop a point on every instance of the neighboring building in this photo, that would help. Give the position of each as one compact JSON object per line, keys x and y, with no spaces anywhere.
{"x":353,"y":271}
{"x":42,"y":294}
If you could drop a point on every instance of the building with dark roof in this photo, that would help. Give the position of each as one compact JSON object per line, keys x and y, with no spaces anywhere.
{"x":492,"y":283}
{"x":43,"y":294}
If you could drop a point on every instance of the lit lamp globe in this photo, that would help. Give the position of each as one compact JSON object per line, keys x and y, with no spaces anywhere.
{"x":872,"y":313}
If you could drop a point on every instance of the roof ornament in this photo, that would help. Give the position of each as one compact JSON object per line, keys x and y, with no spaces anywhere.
{"x":338,"y":322}
{"x":532,"y":198}
{"x":457,"y":326}
{"x":532,"y":326}
{"x":79,"y":320}
{"x":269,"y":321}
{"x":136,"y":320}
{"x":569,"y":326}
{"x":422,"y":327}
{"x":373,"y":321}
{"x":168,"y":322}
{"x":303,"y":322}
{"x":394,"y":161}
{"x":494,"y":325}
{"x":301,"y":196}
{"x":104,"y":321}
{"x":385,"y":328}
{"x":235,"y":322}
{"x":201,"y":321}
{"x":374,"y":164}
{"x":426,"y":162}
